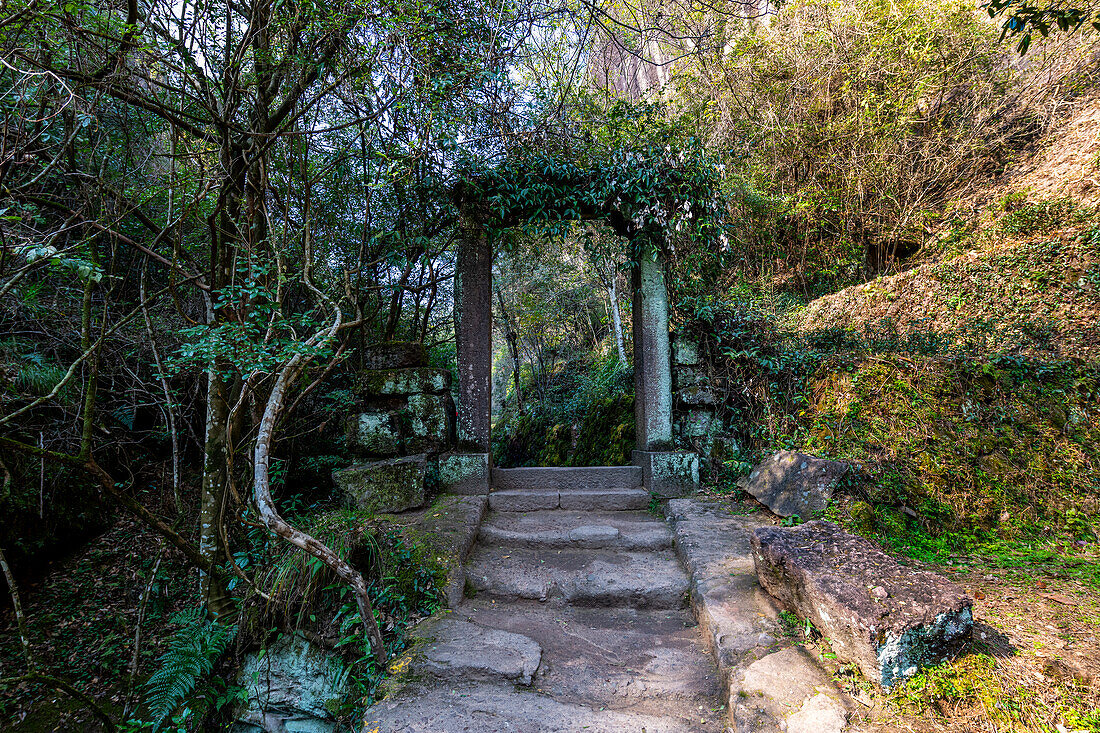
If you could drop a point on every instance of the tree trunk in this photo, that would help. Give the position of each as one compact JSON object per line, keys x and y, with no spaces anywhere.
{"x":616,"y":321}
{"x":512,"y":338}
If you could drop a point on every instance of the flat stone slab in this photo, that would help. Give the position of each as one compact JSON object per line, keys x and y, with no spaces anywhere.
{"x":559,"y":529}
{"x":652,"y":660}
{"x":738,"y":620}
{"x":491,"y":708}
{"x":787,"y":686}
{"x":587,"y":478}
{"x":793,"y":484}
{"x":596,"y":500}
{"x":456,"y":650}
{"x":524,"y":500}
{"x":887,"y":618}
{"x":606,"y":500}
{"x":587,"y":578}
{"x":716,"y":547}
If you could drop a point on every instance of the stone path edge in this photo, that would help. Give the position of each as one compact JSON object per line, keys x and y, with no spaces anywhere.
{"x":448,"y":530}
{"x":740,"y":628}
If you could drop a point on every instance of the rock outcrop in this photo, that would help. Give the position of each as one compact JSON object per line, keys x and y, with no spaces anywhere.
{"x":795,"y":484}
{"x":887,"y":618}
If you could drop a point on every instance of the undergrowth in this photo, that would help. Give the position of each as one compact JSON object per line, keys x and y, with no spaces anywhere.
{"x":981,"y":685}
{"x":584,"y":418}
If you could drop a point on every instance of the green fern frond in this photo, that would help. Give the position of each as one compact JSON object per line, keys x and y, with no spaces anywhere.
{"x":38,"y":379}
{"x":190,"y":657}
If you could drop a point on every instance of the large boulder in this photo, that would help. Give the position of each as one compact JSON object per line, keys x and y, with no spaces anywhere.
{"x":792,"y":483}
{"x":393,"y":485}
{"x":887,"y":618}
{"x":293,"y":686}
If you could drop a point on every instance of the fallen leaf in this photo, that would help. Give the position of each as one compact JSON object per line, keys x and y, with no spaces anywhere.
{"x":978,"y":595}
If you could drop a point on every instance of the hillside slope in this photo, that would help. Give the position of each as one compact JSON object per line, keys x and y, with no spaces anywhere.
{"x":1015,"y":267}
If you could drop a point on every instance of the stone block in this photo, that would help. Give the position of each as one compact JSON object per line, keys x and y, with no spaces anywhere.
{"x":459,"y":652}
{"x":394,"y":355}
{"x":429,"y":423}
{"x":375,"y":433}
{"x":697,"y":423}
{"x":371,"y":382}
{"x":668,"y":474}
{"x":523,"y":500}
{"x":394,"y":485}
{"x":685,"y":352}
{"x":685,"y":376}
{"x":604,"y":500}
{"x":792,"y":483}
{"x":446,"y":532}
{"x":294,"y":685}
{"x":703,"y":395}
{"x":464,"y":473}
{"x":579,"y":478}
{"x":887,"y":618}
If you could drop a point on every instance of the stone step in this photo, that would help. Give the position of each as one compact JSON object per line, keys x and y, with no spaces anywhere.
{"x":652,"y":661}
{"x":420,"y":708}
{"x":588,"y":478}
{"x":560,"y":529}
{"x":456,"y":650}
{"x":527,"y":500}
{"x":580,"y":577}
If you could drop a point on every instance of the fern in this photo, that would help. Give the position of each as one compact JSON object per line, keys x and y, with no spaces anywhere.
{"x":190,"y":657}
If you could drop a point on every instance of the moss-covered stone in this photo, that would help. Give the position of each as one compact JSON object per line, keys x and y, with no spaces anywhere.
{"x":464,"y":473}
{"x":444,"y":535}
{"x":393,"y":485}
{"x":863,"y":518}
{"x":374,"y":433}
{"x":394,"y":355}
{"x":372,"y":382}
{"x":428,"y":423}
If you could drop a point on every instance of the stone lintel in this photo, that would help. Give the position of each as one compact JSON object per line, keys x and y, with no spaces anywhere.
{"x":668,"y":474}
{"x":464,"y":473}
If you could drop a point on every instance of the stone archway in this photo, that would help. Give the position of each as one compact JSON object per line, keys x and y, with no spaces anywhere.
{"x":665,"y":472}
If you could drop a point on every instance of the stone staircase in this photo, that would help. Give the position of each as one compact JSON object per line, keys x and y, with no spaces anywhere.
{"x":575,"y":619}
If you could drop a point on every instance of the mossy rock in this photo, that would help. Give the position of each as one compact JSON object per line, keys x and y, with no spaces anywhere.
{"x":415,"y":380}
{"x":394,"y":485}
{"x":862,"y":517}
{"x":394,"y":355}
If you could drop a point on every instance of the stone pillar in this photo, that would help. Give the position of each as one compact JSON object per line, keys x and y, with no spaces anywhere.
{"x":473,"y":334}
{"x":665,"y":473}
{"x":652,"y":365}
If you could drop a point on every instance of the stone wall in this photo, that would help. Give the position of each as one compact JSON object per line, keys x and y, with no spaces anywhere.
{"x":405,"y":419}
{"x":699,"y":416}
